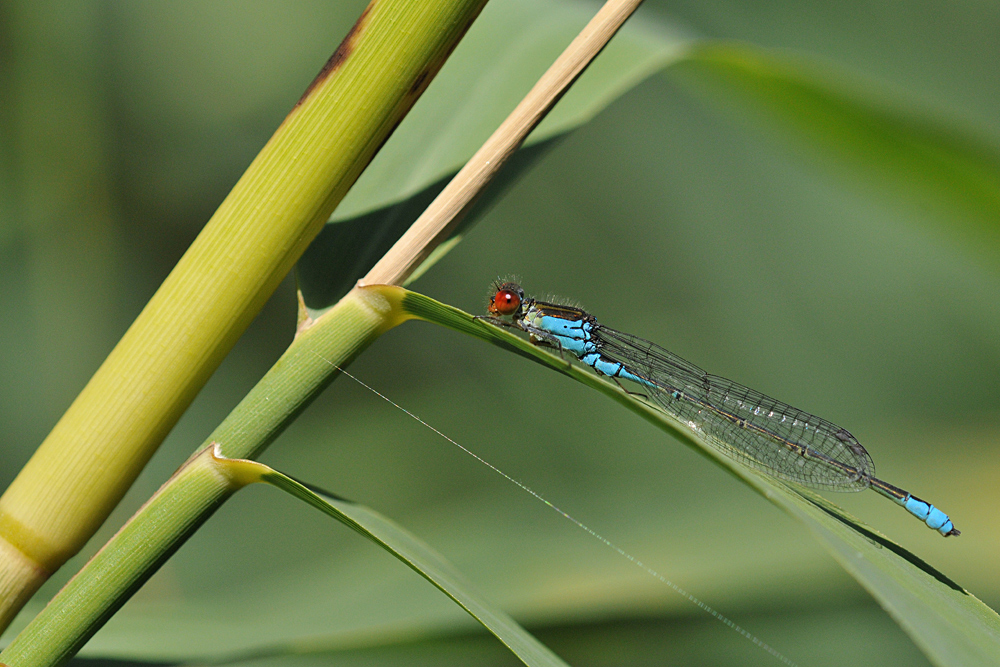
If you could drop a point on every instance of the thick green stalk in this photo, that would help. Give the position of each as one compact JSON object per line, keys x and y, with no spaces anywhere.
{"x":94,"y":453}
{"x":200,"y":487}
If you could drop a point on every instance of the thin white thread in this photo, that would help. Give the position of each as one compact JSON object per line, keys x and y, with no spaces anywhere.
{"x":683,"y":593}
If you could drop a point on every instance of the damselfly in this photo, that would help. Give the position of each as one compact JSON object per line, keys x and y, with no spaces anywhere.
{"x":752,"y":428}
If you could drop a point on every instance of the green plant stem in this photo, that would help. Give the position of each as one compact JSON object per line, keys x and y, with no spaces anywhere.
{"x":172,"y":515}
{"x":190,"y":497}
{"x":321,"y":347}
{"x":96,"y":450}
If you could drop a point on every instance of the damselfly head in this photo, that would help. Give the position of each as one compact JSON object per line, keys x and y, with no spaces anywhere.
{"x":507,"y":300}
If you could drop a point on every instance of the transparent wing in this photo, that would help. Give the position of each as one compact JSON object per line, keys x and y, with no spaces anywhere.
{"x":753,"y":428}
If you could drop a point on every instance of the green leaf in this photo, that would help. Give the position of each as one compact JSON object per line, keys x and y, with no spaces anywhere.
{"x":926,"y":158}
{"x":878,"y":139}
{"x":415,"y":554}
{"x":496,"y":64}
{"x":505,"y":52}
{"x":951,"y":626}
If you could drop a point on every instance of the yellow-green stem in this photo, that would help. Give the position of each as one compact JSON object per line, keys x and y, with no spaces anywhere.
{"x":94,"y":453}
{"x":198,"y":488}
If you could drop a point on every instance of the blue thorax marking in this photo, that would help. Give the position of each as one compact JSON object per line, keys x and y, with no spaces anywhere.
{"x":571,"y":327}
{"x":574,"y":330}
{"x":558,"y":326}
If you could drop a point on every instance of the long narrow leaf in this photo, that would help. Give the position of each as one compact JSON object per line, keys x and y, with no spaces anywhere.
{"x":926,"y":159}
{"x":949,"y":624}
{"x":415,"y":554}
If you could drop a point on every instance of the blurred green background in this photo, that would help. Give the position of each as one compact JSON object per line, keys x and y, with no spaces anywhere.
{"x":674,"y":215}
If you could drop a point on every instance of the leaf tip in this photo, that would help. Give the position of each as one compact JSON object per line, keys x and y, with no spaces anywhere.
{"x":304,"y":320}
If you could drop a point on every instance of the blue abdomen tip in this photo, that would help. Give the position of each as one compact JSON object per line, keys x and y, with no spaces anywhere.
{"x":930,"y":515}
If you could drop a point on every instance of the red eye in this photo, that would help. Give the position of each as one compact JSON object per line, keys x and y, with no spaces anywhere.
{"x":505,"y":302}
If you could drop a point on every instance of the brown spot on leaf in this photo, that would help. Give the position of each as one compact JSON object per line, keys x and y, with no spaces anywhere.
{"x":345,"y":49}
{"x":430,"y":71}
{"x":426,"y":75}
{"x":415,"y":88}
